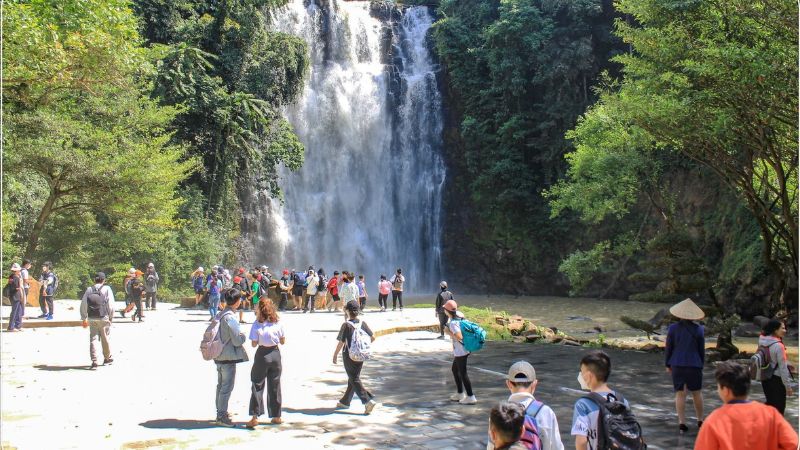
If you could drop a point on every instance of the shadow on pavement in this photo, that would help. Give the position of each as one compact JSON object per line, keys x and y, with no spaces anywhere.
{"x":179,"y":424}
{"x":323,"y":411}
{"x":50,"y":368}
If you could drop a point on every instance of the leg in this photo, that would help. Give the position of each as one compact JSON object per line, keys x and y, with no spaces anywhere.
{"x":442,"y":323}
{"x":257,"y":378}
{"x":394,"y":300}
{"x":94,"y":334}
{"x":697,"y":399}
{"x":775,"y":392}
{"x":400,"y":299}
{"x":12,"y":319}
{"x":462,"y":368}
{"x":49,"y":300}
{"x":225,"y":379}
{"x":362,"y":302}
{"x":154,"y":300}
{"x":457,"y":376}
{"x":680,"y":405}
{"x":274,"y":370}
{"x":105,"y":326}
{"x":354,"y":384}
{"x":43,"y":304}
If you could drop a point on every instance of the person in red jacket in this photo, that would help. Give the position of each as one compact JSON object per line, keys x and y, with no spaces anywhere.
{"x":333,"y":288}
{"x":741,"y":423}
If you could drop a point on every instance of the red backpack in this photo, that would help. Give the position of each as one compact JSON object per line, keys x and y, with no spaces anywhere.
{"x":530,"y":430}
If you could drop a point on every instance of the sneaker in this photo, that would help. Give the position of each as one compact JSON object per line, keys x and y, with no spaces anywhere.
{"x":312,"y":311}
{"x":458,"y":396}
{"x":440,"y":337}
{"x":471,"y":400}
{"x":41,"y":316}
{"x":108,"y":361}
{"x":49,"y":317}
{"x":394,"y":309}
{"x":683,"y":428}
{"x":699,"y":424}
{"x":369,"y":407}
{"x":340,"y":405}
{"x":224,"y":422}
{"x":93,"y":366}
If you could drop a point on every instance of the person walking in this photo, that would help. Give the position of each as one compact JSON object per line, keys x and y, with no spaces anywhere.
{"x":16,"y":295}
{"x":460,"y":355}
{"x":214,"y":287}
{"x":151,"y":286}
{"x":684,"y":357}
{"x":232,"y":353}
{"x":384,"y":287}
{"x":441,"y":298}
{"x":48,"y":286}
{"x":777,"y":387}
{"x":362,"y":292}
{"x":741,"y":423}
{"x":353,"y":368}
{"x":506,"y":426}
{"x":333,"y":288}
{"x":137,"y":290}
{"x":198,"y":284}
{"x":397,"y":289}
{"x":348,"y":292}
{"x":322,"y":289}
{"x":97,"y":312}
{"x":312,"y":282}
{"x":266,"y":334}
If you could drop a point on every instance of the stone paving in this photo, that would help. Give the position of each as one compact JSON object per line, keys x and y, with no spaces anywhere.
{"x":159,"y":391}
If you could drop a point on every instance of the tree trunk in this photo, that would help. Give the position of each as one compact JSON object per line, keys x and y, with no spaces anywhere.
{"x":44,"y":214}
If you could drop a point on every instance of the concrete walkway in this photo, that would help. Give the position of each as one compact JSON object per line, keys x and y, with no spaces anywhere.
{"x":159,"y":393}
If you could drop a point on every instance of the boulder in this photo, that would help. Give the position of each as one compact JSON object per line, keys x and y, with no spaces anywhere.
{"x":571,"y":342}
{"x":760,"y":321}
{"x":747,"y":330}
{"x":660,"y":318}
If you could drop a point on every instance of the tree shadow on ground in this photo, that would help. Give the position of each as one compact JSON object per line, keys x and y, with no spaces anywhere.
{"x":179,"y":424}
{"x":49,"y":368}
{"x":322,"y":411}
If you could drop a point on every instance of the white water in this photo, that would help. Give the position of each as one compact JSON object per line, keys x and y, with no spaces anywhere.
{"x":368,"y":197}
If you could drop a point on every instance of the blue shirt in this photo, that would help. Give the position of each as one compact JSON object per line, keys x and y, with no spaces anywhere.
{"x":686,"y":346}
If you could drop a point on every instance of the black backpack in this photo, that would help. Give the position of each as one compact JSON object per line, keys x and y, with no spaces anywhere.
{"x":323,"y":284}
{"x":263,"y":288}
{"x":617,"y":427}
{"x":96,"y":303}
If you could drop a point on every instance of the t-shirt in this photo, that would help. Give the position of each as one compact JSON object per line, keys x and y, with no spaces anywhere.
{"x":362,"y":289}
{"x":746,"y":425}
{"x":25,"y":276}
{"x":349,"y":292}
{"x":267,"y":334}
{"x":333,"y":286}
{"x":313,"y":282}
{"x":585,"y":416}
{"x":346,"y":332}
{"x":384,"y":287}
{"x":254,"y":289}
{"x":397,"y":282}
{"x":458,"y":347}
{"x":284,"y":283}
{"x":16,"y":284}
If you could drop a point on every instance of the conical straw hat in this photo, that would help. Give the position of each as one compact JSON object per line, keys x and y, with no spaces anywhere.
{"x":688,"y":310}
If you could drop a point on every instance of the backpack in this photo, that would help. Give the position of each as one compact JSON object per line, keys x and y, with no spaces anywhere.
{"x":197,"y":282}
{"x":530,"y":429}
{"x":397,"y":282}
{"x":96,"y":304}
{"x":617,"y":427}
{"x":211,"y":346}
{"x":263,"y":288}
{"x":761,"y":368}
{"x":359,"y":348}
{"x":323,"y":284}
{"x":8,"y":289}
{"x":473,"y":336}
{"x":55,"y":283}
{"x":300,"y":279}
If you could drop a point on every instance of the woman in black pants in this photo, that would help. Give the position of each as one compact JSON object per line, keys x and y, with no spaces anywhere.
{"x":460,"y":355}
{"x":776,"y":387}
{"x":353,"y":368}
{"x":266,"y":333}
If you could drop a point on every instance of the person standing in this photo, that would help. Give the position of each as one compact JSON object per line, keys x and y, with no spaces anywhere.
{"x":777,"y":387}
{"x":97,"y":311}
{"x":348,"y":291}
{"x":353,"y":368}
{"x":214,"y":287}
{"x":384,"y":287}
{"x":333,"y":288}
{"x":232,"y":353}
{"x":362,"y":292}
{"x":460,"y":355}
{"x":284,"y":290}
{"x":266,"y":334}
{"x":26,"y":279}
{"x":198,"y":284}
{"x":322,"y":289}
{"x":299,"y":279}
{"x":397,"y":289}
{"x":48,"y":288}
{"x":443,"y":297}
{"x":137,"y":290}
{"x":684,"y":357}
{"x":16,"y":295}
{"x":741,"y":423}
{"x":312,"y":282}
{"x":151,"y":286}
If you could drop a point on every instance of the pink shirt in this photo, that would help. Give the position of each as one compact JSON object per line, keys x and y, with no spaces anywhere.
{"x":384,"y":287}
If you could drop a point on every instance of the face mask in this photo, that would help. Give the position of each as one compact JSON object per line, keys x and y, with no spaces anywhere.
{"x":582,"y":382}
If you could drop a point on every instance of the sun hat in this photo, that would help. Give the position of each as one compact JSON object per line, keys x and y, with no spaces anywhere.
{"x":522,"y":372}
{"x":200,"y":269}
{"x":15,"y":267}
{"x":443,"y":285}
{"x":688,"y":310}
{"x":151,"y":265}
{"x":450,"y":305}
{"x":132,"y":271}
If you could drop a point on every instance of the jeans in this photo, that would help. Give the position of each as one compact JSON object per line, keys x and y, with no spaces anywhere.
{"x":17,"y":312}
{"x":460,"y":374}
{"x":309,"y":299}
{"x":213,"y":304}
{"x":98,"y":329}
{"x":397,"y":296}
{"x":354,"y":385}
{"x":226,"y":376}
{"x":775,"y":392}
{"x":138,"y":302}
{"x":150,"y":300}
{"x":266,"y":373}
{"x":46,"y":304}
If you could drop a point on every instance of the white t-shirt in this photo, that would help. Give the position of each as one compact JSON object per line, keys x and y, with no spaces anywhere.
{"x":267,"y":334}
{"x":397,"y":282}
{"x":458,"y":347}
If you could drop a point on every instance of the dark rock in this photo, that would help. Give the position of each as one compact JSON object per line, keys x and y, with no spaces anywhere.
{"x":661,"y":318}
{"x":760,"y":321}
{"x":747,"y":330}
{"x":571,"y":342}
{"x":579,"y":318}
{"x":650,"y":348}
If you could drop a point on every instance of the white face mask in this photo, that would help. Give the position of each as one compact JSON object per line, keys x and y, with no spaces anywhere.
{"x":582,"y":382}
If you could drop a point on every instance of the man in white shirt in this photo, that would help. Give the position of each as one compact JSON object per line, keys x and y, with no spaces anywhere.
{"x":97,"y":311}
{"x":311,"y":290}
{"x":521,"y":381}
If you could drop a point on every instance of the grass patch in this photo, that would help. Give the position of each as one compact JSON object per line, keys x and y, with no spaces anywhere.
{"x":483,"y":317}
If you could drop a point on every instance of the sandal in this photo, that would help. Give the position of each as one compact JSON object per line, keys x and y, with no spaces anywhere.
{"x":276,"y":421}
{"x":251,"y":425}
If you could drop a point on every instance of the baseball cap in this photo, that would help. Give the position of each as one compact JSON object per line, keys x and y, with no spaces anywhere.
{"x":522,"y":372}
{"x":100,"y":276}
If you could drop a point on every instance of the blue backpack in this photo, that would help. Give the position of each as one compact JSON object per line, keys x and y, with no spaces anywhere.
{"x":474,"y":336}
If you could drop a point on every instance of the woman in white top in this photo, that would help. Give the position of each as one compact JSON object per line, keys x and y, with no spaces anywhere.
{"x":266,"y":333}
{"x":460,"y":355}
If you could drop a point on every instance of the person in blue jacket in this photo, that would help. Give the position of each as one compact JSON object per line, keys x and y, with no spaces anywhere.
{"x":685,"y":357}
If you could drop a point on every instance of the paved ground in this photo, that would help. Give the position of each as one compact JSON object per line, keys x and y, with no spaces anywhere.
{"x":159,"y":391}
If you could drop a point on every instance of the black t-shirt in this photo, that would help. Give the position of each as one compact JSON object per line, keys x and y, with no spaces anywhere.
{"x":346,"y":332}
{"x":16,"y":283}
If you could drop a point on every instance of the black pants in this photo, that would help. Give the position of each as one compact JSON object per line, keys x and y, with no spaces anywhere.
{"x":46,"y":304}
{"x":309,"y":299}
{"x":397,"y":296}
{"x":460,"y":374}
{"x":382,"y":300}
{"x":354,"y":384}
{"x":150,"y":300}
{"x":442,"y":321}
{"x":266,"y":372}
{"x":362,"y":302}
{"x":138,"y":312}
{"x":284,"y":301}
{"x":775,"y":392}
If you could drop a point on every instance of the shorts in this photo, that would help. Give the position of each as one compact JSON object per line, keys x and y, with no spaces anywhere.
{"x":691,"y":377}
{"x":335,"y":297}
{"x":297,"y":291}
{"x":199,"y":291}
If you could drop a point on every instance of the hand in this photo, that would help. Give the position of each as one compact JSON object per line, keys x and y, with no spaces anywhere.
{"x":85,"y":323}
{"x":335,"y":357}
{"x":789,"y":392}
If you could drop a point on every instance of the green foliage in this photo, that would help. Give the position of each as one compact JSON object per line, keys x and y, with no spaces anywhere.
{"x":581,"y":266}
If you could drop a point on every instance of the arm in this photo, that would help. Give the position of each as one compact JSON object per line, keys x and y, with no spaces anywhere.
{"x":338,"y":349}
{"x":668,"y":346}
{"x":84,"y":310}
{"x":701,"y":344}
{"x":237,"y":337}
{"x":110,"y":303}
{"x":787,"y":437}
{"x":777,"y":352}
{"x":581,"y":443}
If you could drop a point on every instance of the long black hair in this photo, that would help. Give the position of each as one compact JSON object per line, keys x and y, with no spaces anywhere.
{"x":771,"y":327}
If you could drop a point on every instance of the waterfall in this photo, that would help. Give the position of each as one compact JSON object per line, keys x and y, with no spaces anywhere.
{"x":368,"y":197}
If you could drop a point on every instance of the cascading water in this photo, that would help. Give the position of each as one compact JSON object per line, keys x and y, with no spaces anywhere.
{"x":368,"y":197}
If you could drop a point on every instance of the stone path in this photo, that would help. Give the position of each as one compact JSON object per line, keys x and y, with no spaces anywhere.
{"x":159,"y":391}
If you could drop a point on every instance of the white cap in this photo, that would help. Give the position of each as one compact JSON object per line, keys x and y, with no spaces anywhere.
{"x":15,"y":267}
{"x":131,"y":271}
{"x":200,"y":269}
{"x":522,"y":372}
